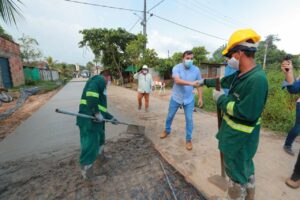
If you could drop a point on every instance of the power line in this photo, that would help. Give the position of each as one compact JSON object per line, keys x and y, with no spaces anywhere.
{"x":218,"y":11}
{"x":213,"y":13}
{"x":207,"y":15}
{"x":134,"y":25}
{"x":105,"y":6}
{"x":156,"y":5}
{"x":151,"y":14}
{"x":192,"y":29}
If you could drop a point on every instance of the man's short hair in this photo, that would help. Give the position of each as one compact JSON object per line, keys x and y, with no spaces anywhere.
{"x":187,"y":53}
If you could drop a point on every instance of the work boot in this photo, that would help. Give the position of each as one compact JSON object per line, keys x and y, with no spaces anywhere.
{"x":288,"y":150}
{"x":236,"y":191}
{"x":250,"y":188}
{"x":87,"y":171}
{"x":188,"y":145}
{"x":293,"y":183}
{"x":164,"y":134}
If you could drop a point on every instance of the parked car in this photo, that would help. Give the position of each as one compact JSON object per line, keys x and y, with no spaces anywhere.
{"x":85,"y":74}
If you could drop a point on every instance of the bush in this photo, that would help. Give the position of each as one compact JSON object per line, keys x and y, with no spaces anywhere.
{"x":208,"y":102}
{"x":279,"y":112}
{"x":30,"y":82}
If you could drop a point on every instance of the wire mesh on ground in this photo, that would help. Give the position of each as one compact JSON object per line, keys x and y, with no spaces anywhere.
{"x":25,"y":93}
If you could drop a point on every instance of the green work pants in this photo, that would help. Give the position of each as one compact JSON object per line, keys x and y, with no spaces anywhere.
{"x":239,"y":169}
{"x":92,"y":136}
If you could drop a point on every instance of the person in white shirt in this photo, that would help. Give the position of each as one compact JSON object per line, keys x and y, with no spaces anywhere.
{"x":145,"y":84}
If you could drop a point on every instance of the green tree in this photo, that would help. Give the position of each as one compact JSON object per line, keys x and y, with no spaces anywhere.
{"x":164,"y":67}
{"x":65,"y":70}
{"x":10,"y":10}
{"x":89,"y":66}
{"x":200,"y":55}
{"x":110,"y":44}
{"x":150,"y":58}
{"x":5,"y":35}
{"x":217,"y":56}
{"x":29,"y":49}
{"x":135,"y":48}
{"x":177,"y":57}
{"x":51,"y":64}
{"x":267,"y":48}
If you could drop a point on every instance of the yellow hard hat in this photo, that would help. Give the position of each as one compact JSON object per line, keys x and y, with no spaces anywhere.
{"x":240,"y":36}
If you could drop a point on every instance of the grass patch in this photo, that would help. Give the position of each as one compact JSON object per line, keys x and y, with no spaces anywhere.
{"x":44,"y":86}
{"x":208,"y":102}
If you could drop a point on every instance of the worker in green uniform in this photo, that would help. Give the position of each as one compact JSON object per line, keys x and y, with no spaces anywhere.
{"x":239,"y":132}
{"x":92,"y":132}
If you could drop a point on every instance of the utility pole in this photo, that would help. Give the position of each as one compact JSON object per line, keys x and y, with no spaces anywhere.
{"x":145,"y":19}
{"x":265,"y":56}
{"x":144,"y":24}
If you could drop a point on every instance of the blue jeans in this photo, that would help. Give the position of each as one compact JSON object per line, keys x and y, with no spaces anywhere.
{"x":188,"y":112}
{"x":293,"y":133}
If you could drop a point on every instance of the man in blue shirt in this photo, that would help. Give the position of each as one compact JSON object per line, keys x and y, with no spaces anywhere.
{"x":293,"y":86}
{"x":186,"y":76}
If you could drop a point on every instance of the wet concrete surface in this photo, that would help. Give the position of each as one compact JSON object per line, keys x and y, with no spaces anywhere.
{"x":39,"y":160}
{"x":46,"y":132}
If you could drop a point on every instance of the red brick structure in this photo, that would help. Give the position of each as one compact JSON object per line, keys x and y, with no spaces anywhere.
{"x":11,"y":51}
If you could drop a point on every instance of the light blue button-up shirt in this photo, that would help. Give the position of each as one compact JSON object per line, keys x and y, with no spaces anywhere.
{"x":145,"y":82}
{"x":183,"y":94}
{"x":228,"y":71}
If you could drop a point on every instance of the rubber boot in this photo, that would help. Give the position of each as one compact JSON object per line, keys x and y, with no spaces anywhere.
{"x":250,"y":188}
{"x":236,"y":191}
{"x":87,"y":171}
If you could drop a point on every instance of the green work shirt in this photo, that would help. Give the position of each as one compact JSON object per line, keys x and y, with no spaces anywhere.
{"x":242,"y":108}
{"x":93,"y":100}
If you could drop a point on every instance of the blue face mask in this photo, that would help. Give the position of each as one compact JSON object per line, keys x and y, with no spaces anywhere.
{"x":188,"y":63}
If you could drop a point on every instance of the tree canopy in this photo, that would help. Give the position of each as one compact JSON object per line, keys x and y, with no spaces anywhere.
{"x":110,"y":45}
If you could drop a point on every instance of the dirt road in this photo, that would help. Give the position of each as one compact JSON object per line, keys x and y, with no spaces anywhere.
{"x":273,"y":165}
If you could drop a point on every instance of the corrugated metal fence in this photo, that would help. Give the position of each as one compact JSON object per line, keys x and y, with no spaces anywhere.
{"x":35,"y":74}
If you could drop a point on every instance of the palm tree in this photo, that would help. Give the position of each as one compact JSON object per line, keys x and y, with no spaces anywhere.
{"x":51,"y":64}
{"x":10,"y":10}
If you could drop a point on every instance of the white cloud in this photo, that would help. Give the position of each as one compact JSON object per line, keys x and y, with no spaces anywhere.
{"x":164,"y":43}
{"x":57,"y":39}
{"x":55,"y":24}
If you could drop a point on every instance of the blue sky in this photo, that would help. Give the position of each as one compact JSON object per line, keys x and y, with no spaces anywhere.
{"x":56,"y":23}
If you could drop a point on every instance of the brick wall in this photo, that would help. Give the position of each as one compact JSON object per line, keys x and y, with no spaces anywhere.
{"x":11,"y":51}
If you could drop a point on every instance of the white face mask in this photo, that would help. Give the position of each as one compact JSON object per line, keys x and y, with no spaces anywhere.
{"x":234,"y":63}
